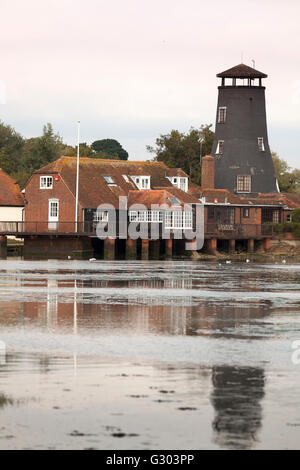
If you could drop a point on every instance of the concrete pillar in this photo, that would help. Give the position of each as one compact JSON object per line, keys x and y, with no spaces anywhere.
{"x":212,"y":246}
{"x":250,"y":247}
{"x":3,"y":247}
{"x":169,"y":248}
{"x":109,"y":248}
{"x":130,"y":248}
{"x":154,"y":247}
{"x":231,"y":246}
{"x":267,"y":244}
{"x":145,"y":250}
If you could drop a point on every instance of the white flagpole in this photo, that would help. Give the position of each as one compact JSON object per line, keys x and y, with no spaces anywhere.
{"x":77,"y":179}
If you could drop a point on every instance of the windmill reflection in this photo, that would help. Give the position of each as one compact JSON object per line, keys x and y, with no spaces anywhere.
{"x":236,"y":398}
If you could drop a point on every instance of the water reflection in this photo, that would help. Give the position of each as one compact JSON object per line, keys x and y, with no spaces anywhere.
{"x":236,"y":397}
{"x":81,"y":311}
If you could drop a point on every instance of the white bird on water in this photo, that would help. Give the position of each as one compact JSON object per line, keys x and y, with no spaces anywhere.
{"x":228,"y":261}
{"x":92,"y":259}
{"x":247,"y":260}
{"x":283,"y":261}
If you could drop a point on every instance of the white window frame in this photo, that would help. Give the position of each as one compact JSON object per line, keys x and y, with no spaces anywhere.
{"x":220,"y":146}
{"x":46,"y":182}
{"x":179,"y":219}
{"x":145,"y":216}
{"x":53,"y":219}
{"x":100,"y":216}
{"x":246,"y":182}
{"x":222,"y":108}
{"x":261,"y":144}
{"x":142,"y":182}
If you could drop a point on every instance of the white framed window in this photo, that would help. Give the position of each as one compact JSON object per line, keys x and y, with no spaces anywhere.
{"x":142,"y":182}
{"x":179,"y":219}
{"x":145,"y":216}
{"x":220,"y":147}
{"x":243,"y":184}
{"x":53,"y":209}
{"x":183,"y":184}
{"x":222,"y":114}
{"x":289,"y":218}
{"x":261,"y":145}
{"x":100,"y":216}
{"x":46,"y":182}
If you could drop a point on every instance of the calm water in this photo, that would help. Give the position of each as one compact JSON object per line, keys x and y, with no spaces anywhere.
{"x":149,"y":355}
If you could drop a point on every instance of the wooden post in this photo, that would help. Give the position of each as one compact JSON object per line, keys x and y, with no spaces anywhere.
{"x":231,"y":246}
{"x":267,"y":244}
{"x":145,"y":249}
{"x":212,"y":246}
{"x":169,"y":248}
{"x":250,"y":245}
{"x":130,"y":248}
{"x":109,"y":248}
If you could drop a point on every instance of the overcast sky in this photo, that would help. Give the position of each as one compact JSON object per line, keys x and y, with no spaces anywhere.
{"x":133,"y":69}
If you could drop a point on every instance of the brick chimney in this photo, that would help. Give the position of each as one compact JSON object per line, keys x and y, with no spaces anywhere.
{"x":208,"y":172}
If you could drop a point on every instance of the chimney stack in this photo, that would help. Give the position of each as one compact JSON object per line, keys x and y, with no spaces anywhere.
{"x":208,"y":172}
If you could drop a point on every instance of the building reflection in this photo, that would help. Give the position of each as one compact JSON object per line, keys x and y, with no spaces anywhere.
{"x":236,"y":397}
{"x":76,"y":306}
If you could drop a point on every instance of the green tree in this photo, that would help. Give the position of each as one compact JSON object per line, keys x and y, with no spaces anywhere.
{"x":42,"y":150}
{"x":109,"y":148}
{"x":11,"y":149}
{"x":288,"y":178}
{"x":183,"y":150}
{"x":85,"y":150}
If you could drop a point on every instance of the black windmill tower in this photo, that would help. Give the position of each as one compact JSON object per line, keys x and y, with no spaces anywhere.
{"x":243,"y":161}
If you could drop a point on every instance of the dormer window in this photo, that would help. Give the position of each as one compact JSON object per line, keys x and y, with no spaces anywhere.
{"x":142,"y":182}
{"x":46,"y":182}
{"x":222,"y":114}
{"x":220,"y":147}
{"x":179,"y":182}
{"x":108,"y":179}
{"x":261,"y":145}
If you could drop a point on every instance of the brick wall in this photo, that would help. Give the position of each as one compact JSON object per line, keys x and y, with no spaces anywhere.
{"x":37,"y":206}
{"x":208,"y":172}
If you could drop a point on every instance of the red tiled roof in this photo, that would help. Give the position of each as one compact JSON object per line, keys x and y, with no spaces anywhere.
{"x":93,"y":189}
{"x":10,"y":193}
{"x":159,"y":196}
{"x":176,"y":172}
{"x":222,"y":195}
{"x":292,"y":200}
{"x":182,"y":195}
{"x":268,"y":199}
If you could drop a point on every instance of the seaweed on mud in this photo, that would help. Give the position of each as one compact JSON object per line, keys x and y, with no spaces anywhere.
{"x":5,"y":400}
